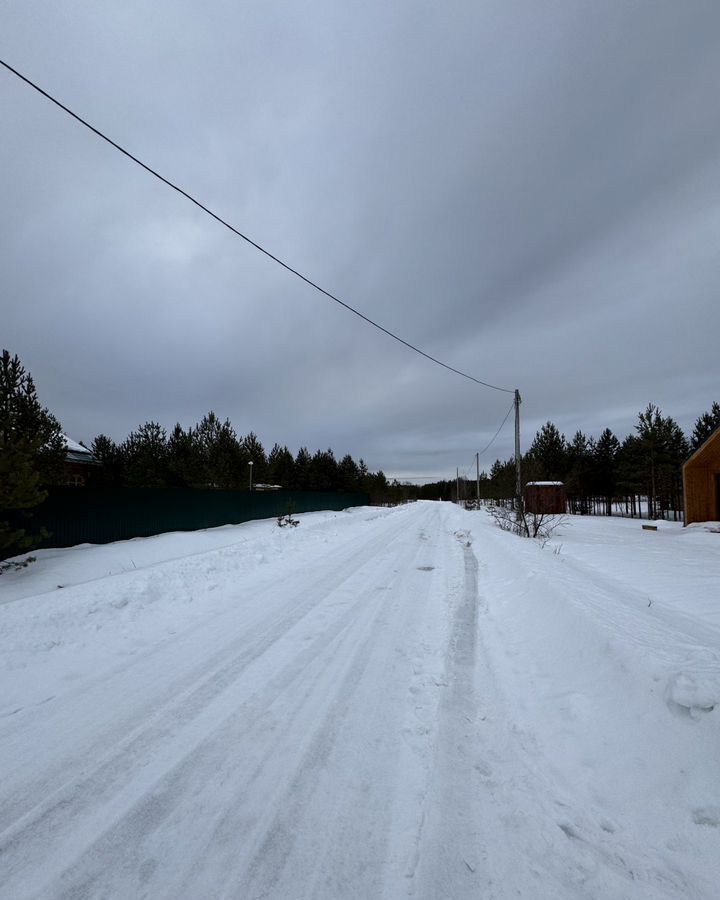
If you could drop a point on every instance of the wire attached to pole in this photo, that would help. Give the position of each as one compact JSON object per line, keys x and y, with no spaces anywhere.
{"x":247,"y":239}
{"x":492,"y":441}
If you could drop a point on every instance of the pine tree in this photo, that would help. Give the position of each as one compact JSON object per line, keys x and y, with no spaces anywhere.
{"x":348,"y":473}
{"x":664,"y":448}
{"x":280,"y":466}
{"x":228,"y":459}
{"x":605,"y":453}
{"x":32,"y":450}
{"x":676,"y":450}
{"x":379,"y":488}
{"x":630,"y":472}
{"x":363,"y":473}
{"x":502,"y":479}
{"x":144,"y":455}
{"x":207,"y":433}
{"x":185,"y":464}
{"x":648,"y":429}
{"x":704,"y":426}
{"x":303,"y":463}
{"x":324,"y":471}
{"x":548,"y":453}
{"x":577,"y":479}
{"x":255,"y":452}
{"x":222,"y":460}
{"x":110,"y":471}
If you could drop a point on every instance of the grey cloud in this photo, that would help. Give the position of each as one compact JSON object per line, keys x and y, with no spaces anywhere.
{"x":528,"y":191}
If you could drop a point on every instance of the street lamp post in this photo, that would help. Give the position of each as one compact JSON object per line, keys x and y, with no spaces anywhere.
{"x":250,"y":464}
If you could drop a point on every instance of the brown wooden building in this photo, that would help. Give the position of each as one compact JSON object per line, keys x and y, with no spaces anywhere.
{"x":701,"y":482}
{"x":545,"y":498}
{"x":79,"y":463}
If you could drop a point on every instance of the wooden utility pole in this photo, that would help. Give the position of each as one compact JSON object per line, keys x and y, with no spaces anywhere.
{"x":477,"y":478}
{"x":518,"y":483}
{"x":457,"y":485}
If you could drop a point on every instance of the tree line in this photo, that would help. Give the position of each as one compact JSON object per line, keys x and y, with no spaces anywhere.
{"x":644,"y":470}
{"x":211,"y":454}
{"x":640,"y":475}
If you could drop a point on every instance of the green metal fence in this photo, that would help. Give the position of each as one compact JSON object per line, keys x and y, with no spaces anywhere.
{"x":101,"y":515}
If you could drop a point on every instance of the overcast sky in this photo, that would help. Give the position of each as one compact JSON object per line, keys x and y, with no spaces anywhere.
{"x":528,"y":191}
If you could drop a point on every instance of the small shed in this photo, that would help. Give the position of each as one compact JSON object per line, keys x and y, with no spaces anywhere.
{"x":701,"y":482}
{"x":545,"y":498}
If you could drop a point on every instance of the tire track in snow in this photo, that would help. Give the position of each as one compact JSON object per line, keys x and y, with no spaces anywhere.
{"x":533,"y":838}
{"x":445,"y":861}
{"x":103,"y":794}
{"x":182,"y":702}
{"x":325,"y":832}
{"x":252,"y":733}
{"x":156,"y":685}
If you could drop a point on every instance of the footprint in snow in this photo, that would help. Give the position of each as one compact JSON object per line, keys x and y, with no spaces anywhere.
{"x":707,"y":815}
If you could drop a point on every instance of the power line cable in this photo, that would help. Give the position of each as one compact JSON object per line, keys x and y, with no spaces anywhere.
{"x":244,"y":237}
{"x":487,"y":446}
{"x":502,"y":425}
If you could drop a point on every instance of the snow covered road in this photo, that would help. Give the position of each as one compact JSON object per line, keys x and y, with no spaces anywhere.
{"x":377,"y":704}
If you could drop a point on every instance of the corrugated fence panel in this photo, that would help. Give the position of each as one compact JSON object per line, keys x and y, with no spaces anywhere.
{"x":101,"y":515}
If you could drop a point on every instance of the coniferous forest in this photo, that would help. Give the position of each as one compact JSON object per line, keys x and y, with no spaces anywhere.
{"x":641,"y":474}
{"x":211,"y":454}
{"x":207,"y":455}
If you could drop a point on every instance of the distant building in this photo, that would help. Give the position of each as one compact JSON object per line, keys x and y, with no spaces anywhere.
{"x":79,"y":463}
{"x":545,"y":497}
{"x":701,"y":482}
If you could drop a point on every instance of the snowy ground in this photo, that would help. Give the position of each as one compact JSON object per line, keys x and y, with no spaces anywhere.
{"x":376,"y":704}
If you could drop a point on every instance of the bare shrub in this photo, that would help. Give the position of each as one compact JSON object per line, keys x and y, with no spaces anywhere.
{"x":524,"y":524}
{"x":287,"y":519}
{"x":16,"y":565}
